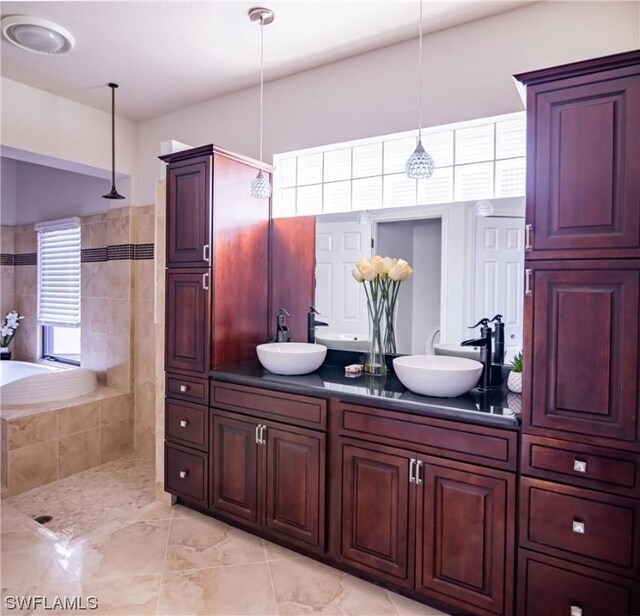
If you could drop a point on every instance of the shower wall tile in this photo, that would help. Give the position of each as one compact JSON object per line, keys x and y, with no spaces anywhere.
{"x":78,"y":452}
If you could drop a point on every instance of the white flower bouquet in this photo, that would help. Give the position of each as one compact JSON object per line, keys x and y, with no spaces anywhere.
{"x":381,"y":277}
{"x":9,"y":327}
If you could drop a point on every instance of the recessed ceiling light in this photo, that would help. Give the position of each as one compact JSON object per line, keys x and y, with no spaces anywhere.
{"x":37,"y":34}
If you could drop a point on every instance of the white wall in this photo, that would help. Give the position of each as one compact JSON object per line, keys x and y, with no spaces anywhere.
{"x":55,"y":127}
{"x":468,"y":73}
{"x":36,"y":193}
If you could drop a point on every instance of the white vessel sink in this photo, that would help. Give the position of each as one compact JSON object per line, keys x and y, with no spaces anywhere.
{"x":291,"y":357}
{"x":345,"y":342}
{"x":452,"y":349}
{"x":433,"y":375}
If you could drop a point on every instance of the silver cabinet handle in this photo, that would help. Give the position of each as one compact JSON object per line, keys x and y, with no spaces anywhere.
{"x":578,"y":527}
{"x":205,"y":281}
{"x":412,"y":465}
{"x":263,"y":432}
{"x":579,"y":466}
{"x":419,"y":473}
{"x":184,"y":423}
{"x":527,"y":282}
{"x":527,"y":238}
{"x":183,"y":474}
{"x":206,"y":253}
{"x":576,"y":610}
{"x":258,"y":433}
{"x":184,"y":388}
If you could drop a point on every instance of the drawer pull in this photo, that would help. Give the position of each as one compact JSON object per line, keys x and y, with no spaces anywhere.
{"x":578,"y":527}
{"x":576,"y":610}
{"x":412,"y":465}
{"x":183,"y":474}
{"x":419,"y":473}
{"x":184,"y":423}
{"x":579,"y":466}
{"x":184,"y":388}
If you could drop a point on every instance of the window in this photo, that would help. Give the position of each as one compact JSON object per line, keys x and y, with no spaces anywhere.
{"x":59,"y":289}
{"x":479,"y":159}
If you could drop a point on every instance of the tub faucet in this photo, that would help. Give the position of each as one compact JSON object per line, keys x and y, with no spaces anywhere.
{"x":484,"y":342}
{"x":282,"y":329}
{"x":312,"y":324}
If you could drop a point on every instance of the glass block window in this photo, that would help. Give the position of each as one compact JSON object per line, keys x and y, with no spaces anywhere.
{"x":479,"y":159}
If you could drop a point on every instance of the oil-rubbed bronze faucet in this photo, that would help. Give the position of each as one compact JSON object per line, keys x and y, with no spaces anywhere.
{"x":484,"y":342}
{"x":312,"y":324}
{"x":282,"y":329}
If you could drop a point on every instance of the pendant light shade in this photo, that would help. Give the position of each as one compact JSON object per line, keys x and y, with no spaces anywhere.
{"x":260,"y":186}
{"x":420,"y":164}
{"x":113,"y":193}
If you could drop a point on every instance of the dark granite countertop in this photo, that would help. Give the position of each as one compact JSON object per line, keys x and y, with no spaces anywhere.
{"x":498,"y":408}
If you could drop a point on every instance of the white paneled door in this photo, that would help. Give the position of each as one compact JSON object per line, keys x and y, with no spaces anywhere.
{"x":499,"y":271}
{"x":339,"y":298}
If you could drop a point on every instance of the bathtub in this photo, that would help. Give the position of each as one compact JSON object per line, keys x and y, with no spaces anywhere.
{"x":26,"y":383}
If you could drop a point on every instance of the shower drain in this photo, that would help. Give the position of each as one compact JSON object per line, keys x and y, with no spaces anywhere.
{"x":43,"y":519}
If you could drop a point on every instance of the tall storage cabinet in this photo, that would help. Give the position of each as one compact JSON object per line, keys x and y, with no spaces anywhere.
{"x":216,"y":296}
{"x":580,"y":487}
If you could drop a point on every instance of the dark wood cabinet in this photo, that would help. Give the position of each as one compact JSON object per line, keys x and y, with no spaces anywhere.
{"x":270,"y":476}
{"x":465,"y":530}
{"x":582,"y":373}
{"x":442,"y":529}
{"x":578,"y":530}
{"x":234,"y":467}
{"x":189,"y":212}
{"x":187,"y":320}
{"x":376,"y":506}
{"x":583,"y":193}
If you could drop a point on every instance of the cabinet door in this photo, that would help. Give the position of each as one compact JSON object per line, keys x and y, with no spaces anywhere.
{"x":188,"y":212}
{"x":234,"y":468}
{"x":376,"y":506}
{"x":582,"y":379}
{"x":466,"y":536}
{"x":585,"y":188}
{"x":294,"y":484}
{"x":187,"y":321}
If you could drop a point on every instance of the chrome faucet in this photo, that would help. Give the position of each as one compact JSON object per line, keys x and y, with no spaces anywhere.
{"x":312,"y":324}
{"x":282,"y":329}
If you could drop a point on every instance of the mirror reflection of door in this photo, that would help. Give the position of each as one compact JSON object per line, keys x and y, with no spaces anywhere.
{"x":499,"y":270}
{"x":339,"y":298}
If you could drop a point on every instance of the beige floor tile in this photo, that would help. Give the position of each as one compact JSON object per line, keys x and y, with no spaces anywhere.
{"x":408,"y":607}
{"x":206,"y":542}
{"x":277,"y":552}
{"x":303,"y":586}
{"x":237,"y":589}
{"x":112,"y":552}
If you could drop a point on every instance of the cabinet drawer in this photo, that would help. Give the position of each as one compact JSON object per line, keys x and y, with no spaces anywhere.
{"x":552,"y":587}
{"x":464,"y":442}
{"x":186,"y":473}
{"x":582,"y":525}
{"x":582,"y":465}
{"x":293,"y":409}
{"x":186,"y":423}
{"x":188,"y":388}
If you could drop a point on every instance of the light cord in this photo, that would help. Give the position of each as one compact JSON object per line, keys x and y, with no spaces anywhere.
{"x":420,"y":78}
{"x":261,"y":78}
{"x":113,"y":136}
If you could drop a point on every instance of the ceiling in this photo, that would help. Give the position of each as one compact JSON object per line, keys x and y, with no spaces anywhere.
{"x":167,"y":55}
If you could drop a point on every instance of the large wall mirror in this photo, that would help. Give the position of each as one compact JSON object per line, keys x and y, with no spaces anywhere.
{"x":467,"y":265}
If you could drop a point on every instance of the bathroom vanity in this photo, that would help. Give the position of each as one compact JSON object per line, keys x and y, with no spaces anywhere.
{"x":415,"y":493}
{"x":449,"y":501}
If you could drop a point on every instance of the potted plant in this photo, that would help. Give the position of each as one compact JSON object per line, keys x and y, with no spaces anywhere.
{"x":7,"y":332}
{"x":514,"y":382}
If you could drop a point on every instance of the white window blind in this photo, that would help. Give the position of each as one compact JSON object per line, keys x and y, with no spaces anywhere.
{"x":59,"y":273}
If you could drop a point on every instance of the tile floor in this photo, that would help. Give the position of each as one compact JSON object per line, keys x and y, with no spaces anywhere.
{"x":110,"y":540}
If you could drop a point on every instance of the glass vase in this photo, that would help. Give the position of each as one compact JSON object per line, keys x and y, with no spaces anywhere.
{"x":375,"y":363}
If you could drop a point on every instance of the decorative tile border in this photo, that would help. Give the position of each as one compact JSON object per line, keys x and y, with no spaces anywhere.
{"x":119,"y":252}
{"x":25,"y":258}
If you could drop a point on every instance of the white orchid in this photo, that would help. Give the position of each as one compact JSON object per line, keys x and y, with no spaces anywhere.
{"x":9,"y":327}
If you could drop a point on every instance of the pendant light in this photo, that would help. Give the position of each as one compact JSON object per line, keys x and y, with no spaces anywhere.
{"x":420,"y":164}
{"x":114,"y":193}
{"x":260,"y":186}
